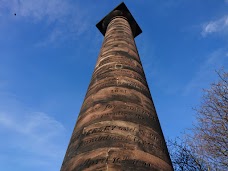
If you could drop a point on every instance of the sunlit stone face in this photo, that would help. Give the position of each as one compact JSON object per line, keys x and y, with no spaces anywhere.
{"x":117,"y":128}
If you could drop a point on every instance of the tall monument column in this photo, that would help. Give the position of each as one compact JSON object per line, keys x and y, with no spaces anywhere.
{"x":118,"y":128}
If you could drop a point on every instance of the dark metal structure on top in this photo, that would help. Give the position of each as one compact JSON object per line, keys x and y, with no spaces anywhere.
{"x":120,"y":10}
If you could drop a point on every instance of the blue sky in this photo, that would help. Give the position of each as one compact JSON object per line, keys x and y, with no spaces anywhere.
{"x":48,"y":52}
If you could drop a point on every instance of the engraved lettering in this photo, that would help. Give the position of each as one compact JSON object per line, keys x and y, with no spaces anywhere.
{"x":118,"y":91}
{"x":108,"y":128}
{"x":104,"y":138}
{"x":91,"y":162}
{"x":116,"y":160}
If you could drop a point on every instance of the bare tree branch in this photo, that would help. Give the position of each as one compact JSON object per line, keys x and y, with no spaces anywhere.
{"x":206,"y":149}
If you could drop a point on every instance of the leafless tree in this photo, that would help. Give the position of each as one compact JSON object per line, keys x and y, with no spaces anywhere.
{"x":206,"y":148}
{"x":210,"y":136}
{"x":184,"y":158}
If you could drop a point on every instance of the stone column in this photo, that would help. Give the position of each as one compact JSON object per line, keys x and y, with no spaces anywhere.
{"x":117,"y":128}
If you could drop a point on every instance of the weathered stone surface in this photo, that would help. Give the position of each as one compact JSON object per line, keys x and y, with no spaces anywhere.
{"x":117,"y":128}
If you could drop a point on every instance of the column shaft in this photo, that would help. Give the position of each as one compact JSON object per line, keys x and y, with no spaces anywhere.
{"x":117,"y":128}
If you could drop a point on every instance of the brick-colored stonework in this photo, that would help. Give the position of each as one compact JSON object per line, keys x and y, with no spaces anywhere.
{"x":117,"y":128}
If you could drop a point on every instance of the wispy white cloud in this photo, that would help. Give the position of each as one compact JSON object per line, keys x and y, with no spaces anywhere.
{"x":67,"y":19}
{"x":37,"y":125}
{"x":37,"y":10}
{"x":217,"y":26}
{"x":205,"y":75}
{"x":31,"y":139}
